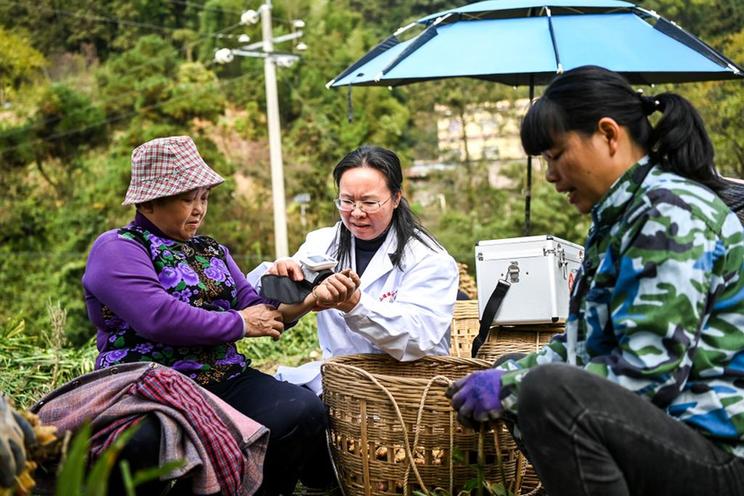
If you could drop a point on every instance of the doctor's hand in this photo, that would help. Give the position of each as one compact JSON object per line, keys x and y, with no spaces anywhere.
{"x":262,"y":320}
{"x":477,"y":397}
{"x":339,"y":290}
{"x":287,"y":267}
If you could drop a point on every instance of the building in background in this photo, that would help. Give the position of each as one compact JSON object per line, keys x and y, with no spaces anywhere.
{"x":491,"y":130}
{"x":486,"y":134}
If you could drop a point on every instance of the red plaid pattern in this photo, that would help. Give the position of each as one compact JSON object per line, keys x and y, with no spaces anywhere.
{"x":165,"y":386}
{"x":169,"y":388}
{"x":166,"y":167}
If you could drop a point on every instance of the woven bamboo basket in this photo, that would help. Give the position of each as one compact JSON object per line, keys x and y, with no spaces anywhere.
{"x":464,"y":327}
{"x":392,"y":430}
{"x":501,"y":340}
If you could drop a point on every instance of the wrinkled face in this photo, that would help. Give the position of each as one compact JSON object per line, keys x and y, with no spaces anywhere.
{"x":180,"y":216}
{"x":366,"y":184}
{"x":579,"y":167}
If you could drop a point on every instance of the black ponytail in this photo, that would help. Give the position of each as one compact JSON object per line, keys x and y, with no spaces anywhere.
{"x":404,"y":222}
{"x":680,"y":144}
{"x":579,"y":98}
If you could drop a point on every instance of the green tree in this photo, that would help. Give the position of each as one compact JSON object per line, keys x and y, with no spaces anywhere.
{"x":138,"y":77}
{"x":19,"y":63}
{"x":188,"y":98}
{"x":106,"y":26}
{"x":707,"y":19}
{"x":216,"y":18}
{"x":65,"y":125}
{"x":721,"y":105}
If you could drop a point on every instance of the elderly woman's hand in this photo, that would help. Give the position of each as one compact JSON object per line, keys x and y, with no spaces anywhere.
{"x":338,"y":291}
{"x":262,"y":320}
{"x":288,"y":267}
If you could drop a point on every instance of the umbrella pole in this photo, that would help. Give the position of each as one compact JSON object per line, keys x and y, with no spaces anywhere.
{"x":528,"y":194}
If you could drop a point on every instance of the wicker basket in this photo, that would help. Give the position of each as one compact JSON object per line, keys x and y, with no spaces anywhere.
{"x":464,"y":328}
{"x":503,"y":339}
{"x":385,"y":413}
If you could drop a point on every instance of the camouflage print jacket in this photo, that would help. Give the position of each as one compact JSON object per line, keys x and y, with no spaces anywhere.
{"x":658,"y":306}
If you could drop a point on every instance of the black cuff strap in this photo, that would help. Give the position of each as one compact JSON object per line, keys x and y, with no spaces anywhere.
{"x":284,"y":289}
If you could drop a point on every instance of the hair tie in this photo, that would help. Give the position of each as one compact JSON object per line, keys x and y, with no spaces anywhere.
{"x":649,"y":104}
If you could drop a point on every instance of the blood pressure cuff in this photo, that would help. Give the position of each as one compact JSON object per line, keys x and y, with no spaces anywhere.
{"x":284,"y":289}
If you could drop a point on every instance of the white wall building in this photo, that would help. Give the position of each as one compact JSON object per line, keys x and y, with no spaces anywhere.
{"x":491,"y":135}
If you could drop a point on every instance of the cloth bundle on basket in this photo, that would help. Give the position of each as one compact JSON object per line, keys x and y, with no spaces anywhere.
{"x":392,"y":429}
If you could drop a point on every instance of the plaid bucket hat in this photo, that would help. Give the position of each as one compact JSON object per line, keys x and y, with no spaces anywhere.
{"x":166,"y":167}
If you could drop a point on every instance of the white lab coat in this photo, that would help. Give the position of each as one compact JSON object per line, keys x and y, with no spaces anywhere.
{"x":404,"y":311}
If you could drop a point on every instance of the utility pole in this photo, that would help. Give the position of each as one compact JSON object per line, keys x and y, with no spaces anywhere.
{"x":271,"y":59}
{"x":275,"y":136}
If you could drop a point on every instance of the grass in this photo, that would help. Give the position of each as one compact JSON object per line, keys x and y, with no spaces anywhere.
{"x":31,"y":365}
{"x":297,"y":345}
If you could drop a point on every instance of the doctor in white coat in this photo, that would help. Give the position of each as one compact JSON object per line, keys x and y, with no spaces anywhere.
{"x":408,"y":282}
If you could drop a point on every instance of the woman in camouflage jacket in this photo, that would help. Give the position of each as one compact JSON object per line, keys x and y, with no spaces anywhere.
{"x":644,"y":393}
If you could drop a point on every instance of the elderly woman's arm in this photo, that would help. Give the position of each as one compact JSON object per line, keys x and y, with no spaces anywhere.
{"x":120,"y":275}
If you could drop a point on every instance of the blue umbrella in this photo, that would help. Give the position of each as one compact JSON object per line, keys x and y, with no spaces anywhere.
{"x":528,"y":42}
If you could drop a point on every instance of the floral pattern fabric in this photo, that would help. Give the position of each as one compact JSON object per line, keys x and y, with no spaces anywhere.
{"x":193,"y":272}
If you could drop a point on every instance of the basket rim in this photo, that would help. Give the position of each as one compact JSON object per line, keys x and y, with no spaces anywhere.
{"x":332,"y":365}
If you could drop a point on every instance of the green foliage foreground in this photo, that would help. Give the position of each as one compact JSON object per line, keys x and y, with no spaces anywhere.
{"x":32,"y":364}
{"x":75,"y":478}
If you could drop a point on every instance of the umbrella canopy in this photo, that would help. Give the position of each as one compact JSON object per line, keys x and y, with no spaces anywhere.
{"x":528,"y":42}
{"x":520,"y":42}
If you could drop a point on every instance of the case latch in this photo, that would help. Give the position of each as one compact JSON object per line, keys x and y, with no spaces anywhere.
{"x":512,"y":272}
{"x":562,"y":262}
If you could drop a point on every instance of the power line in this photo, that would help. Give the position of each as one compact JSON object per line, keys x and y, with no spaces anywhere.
{"x":133,"y":69}
{"x":118,"y":98}
{"x":119,"y":117}
{"x":96,"y":18}
{"x":212,"y":35}
{"x":202,"y":7}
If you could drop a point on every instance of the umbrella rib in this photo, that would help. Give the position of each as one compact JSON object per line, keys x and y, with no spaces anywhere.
{"x":429,"y":33}
{"x":552,"y":39}
{"x":384,"y":46}
{"x":675,"y":32}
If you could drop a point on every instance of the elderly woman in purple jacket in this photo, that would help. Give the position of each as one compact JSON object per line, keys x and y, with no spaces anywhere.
{"x":157,"y":292}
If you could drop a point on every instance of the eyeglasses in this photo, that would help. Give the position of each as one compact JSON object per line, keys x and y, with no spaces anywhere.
{"x":366,"y":206}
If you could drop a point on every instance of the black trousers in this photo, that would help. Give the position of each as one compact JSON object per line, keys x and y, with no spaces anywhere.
{"x":588,"y":436}
{"x":297,"y":446}
{"x":297,"y":419}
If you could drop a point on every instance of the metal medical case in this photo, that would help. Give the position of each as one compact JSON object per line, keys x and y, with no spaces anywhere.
{"x":541,"y":271}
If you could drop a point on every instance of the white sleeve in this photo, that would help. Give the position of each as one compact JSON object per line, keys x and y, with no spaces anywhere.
{"x":316,"y":242}
{"x":417,"y":322}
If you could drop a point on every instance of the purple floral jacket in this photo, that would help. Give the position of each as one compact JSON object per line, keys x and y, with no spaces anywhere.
{"x":155,"y":299}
